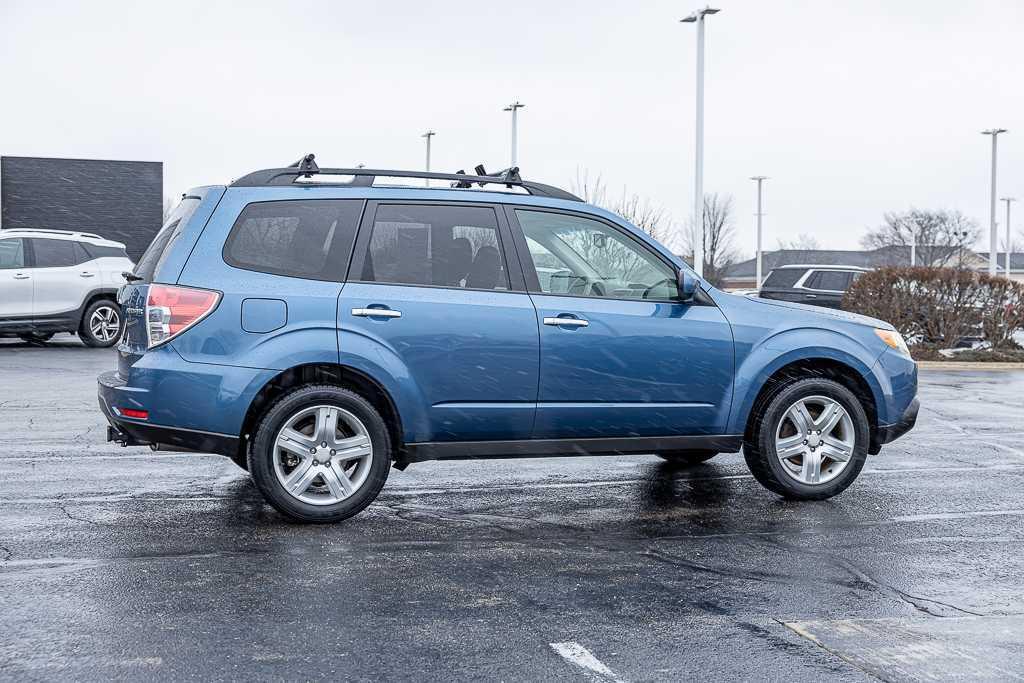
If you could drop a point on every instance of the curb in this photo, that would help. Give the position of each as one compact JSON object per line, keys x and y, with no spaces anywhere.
{"x":957,"y":365}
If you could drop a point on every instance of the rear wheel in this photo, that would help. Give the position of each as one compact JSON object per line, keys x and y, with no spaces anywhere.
{"x":693,"y":457}
{"x":321,"y":454}
{"x":810,"y":441}
{"x":101,"y":324}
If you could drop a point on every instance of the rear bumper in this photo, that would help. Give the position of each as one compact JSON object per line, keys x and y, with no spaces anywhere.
{"x":888,"y":433}
{"x":112,"y":391}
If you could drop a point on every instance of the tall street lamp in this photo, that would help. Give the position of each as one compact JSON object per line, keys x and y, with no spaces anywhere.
{"x":426,"y":136}
{"x":698,"y":190}
{"x":993,"y":237}
{"x":760,"y":182}
{"x":514,"y":108}
{"x":1009,"y":245}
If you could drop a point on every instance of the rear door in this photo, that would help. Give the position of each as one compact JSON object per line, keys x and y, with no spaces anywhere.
{"x":826,"y":287}
{"x":60,"y":282}
{"x":620,"y":356}
{"x":430,"y":296}
{"x":15,"y":281}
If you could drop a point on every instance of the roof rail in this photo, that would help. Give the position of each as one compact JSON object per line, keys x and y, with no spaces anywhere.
{"x":70,"y":233}
{"x":306,"y":167}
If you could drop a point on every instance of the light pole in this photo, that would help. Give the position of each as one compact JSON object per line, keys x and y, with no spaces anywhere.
{"x":993,"y":237}
{"x":1009,"y":246}
{"x":698,"y":181}
{"x":426,"y":136}
{"x":760,"y":181}
{"x":514,"y":108}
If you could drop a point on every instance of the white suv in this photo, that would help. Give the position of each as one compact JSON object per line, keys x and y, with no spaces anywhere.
{"x":58,"y":281}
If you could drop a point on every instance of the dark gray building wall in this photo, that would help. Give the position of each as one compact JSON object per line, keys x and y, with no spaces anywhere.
{"x":120,"y":200}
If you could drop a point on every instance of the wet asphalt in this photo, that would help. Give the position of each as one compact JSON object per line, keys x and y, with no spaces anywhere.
{"x":125,"y":564}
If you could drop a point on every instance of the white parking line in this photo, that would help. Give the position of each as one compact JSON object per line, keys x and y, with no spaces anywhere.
{"x":577,"y":655}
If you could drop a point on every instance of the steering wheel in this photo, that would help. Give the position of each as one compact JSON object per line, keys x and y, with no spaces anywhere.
{"x":659,"y":283}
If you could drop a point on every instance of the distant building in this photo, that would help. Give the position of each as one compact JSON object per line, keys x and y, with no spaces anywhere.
{"x":120,"y":200}
{"x":741,"y":275}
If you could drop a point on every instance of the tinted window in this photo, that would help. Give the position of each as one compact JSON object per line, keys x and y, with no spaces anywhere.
{"x":833,"y":280}
{"x":783,"y":278}
{"x":310,"y":239}
{"x":12,"y":254}
{"x":96,"y":251}
{"x":445,"y":246}
{"x":54,"y":253}
{"x":154,"y":255}
{"x":583,"y":257}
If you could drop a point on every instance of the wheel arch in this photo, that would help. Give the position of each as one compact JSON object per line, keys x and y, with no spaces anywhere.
{"x":335,"y":374}
{"x":94,"y":296}
{"x":846,"y":370}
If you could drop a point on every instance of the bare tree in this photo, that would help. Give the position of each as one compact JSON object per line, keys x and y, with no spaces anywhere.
{"x":803,"y":242}
{"x":942,"y":237}
{"x":638,"y":210}
{"x":719,"y":232}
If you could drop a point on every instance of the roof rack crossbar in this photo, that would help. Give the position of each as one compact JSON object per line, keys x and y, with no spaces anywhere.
{"x":306,"y":167}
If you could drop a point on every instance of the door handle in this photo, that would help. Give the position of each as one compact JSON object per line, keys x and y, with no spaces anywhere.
{"x":20,"y":276}
{"x":86,"y":274}
{"x":811,"y":296}
{"x":568,"y":322}
{"x":376,"y":313}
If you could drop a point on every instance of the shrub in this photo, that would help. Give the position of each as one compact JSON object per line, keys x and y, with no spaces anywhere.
{"x":938,"y":307}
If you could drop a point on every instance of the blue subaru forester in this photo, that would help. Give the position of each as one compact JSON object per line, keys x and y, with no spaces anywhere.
{"x":319,"y":328}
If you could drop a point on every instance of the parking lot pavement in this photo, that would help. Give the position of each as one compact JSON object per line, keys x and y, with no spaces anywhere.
{"x":121,"y":563}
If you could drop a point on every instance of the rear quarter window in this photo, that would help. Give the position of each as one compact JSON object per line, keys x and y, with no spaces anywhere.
{"x":781,"y":279}
{"x":309,"y":239}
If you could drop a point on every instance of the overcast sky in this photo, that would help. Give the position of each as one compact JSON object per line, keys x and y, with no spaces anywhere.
{"x":853,"y":108}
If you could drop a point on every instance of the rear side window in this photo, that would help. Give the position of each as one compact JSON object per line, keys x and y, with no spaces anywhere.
{"x":12,"y":254}
{"x":830,"y":280}
{"x":786,"y":277}
{"x":441,"y":246}
{"x":55,"y":253}
{"x":309,"y":239}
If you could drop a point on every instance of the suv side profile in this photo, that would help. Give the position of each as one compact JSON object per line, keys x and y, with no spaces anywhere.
{"x":821,"y":285}
{"x":318,"y":328}
{"x":61,"y":281}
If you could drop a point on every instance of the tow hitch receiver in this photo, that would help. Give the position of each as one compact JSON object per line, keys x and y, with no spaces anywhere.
{"x":116,"y":435}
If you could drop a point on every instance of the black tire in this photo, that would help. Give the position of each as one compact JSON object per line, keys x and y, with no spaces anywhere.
{"x":36,"y":337}
{"x":693,"y":457}
{"x":760,"y":453}
{"x":263,"y":452}
{"x":86,"y":334}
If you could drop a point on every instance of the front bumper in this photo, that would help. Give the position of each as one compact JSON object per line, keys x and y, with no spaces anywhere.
{"x":111,"y":392}
{"x":888,"y":433}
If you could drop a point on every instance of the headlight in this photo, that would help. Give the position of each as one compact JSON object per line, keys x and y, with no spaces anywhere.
{"x":894,"y":340}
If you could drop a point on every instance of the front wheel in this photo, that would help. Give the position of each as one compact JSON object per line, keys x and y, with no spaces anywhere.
{"x":321,"y":454}
{"x":810,"y":441}
{"x":101,"y":324}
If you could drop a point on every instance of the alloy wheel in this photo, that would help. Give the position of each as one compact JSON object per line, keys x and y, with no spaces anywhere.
{"x":815,"y":440}
{"x":322,"y":455}
{"x":105,"y":323}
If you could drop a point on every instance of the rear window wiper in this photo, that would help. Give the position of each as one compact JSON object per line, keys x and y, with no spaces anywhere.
{"x":131,"y":277}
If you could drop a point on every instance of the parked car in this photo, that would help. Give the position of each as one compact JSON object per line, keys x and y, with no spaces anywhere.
{"x":818,"y":285}
{"x":60,"y":281}
{"x":318,"y":330}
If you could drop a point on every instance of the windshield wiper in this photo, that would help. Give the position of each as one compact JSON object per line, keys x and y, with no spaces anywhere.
{"x":131,"y":277}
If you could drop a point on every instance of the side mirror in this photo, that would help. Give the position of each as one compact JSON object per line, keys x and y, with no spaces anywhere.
{"x":687,"y":284}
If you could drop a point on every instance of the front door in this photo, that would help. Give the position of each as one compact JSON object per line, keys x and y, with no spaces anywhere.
{"x":15,"y":281}
{"x":620,"y":355}
{"x":429,"y":297}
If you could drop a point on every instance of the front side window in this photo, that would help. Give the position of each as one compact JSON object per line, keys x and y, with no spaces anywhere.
{"x":309,"y":239}
{"x":12,"y":254}
{"x":54,"y":253}
{"x":440,"y":246}
{"x":578,"y":256}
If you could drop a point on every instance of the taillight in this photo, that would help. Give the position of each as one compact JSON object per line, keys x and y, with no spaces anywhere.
{"x":170,"y":310}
